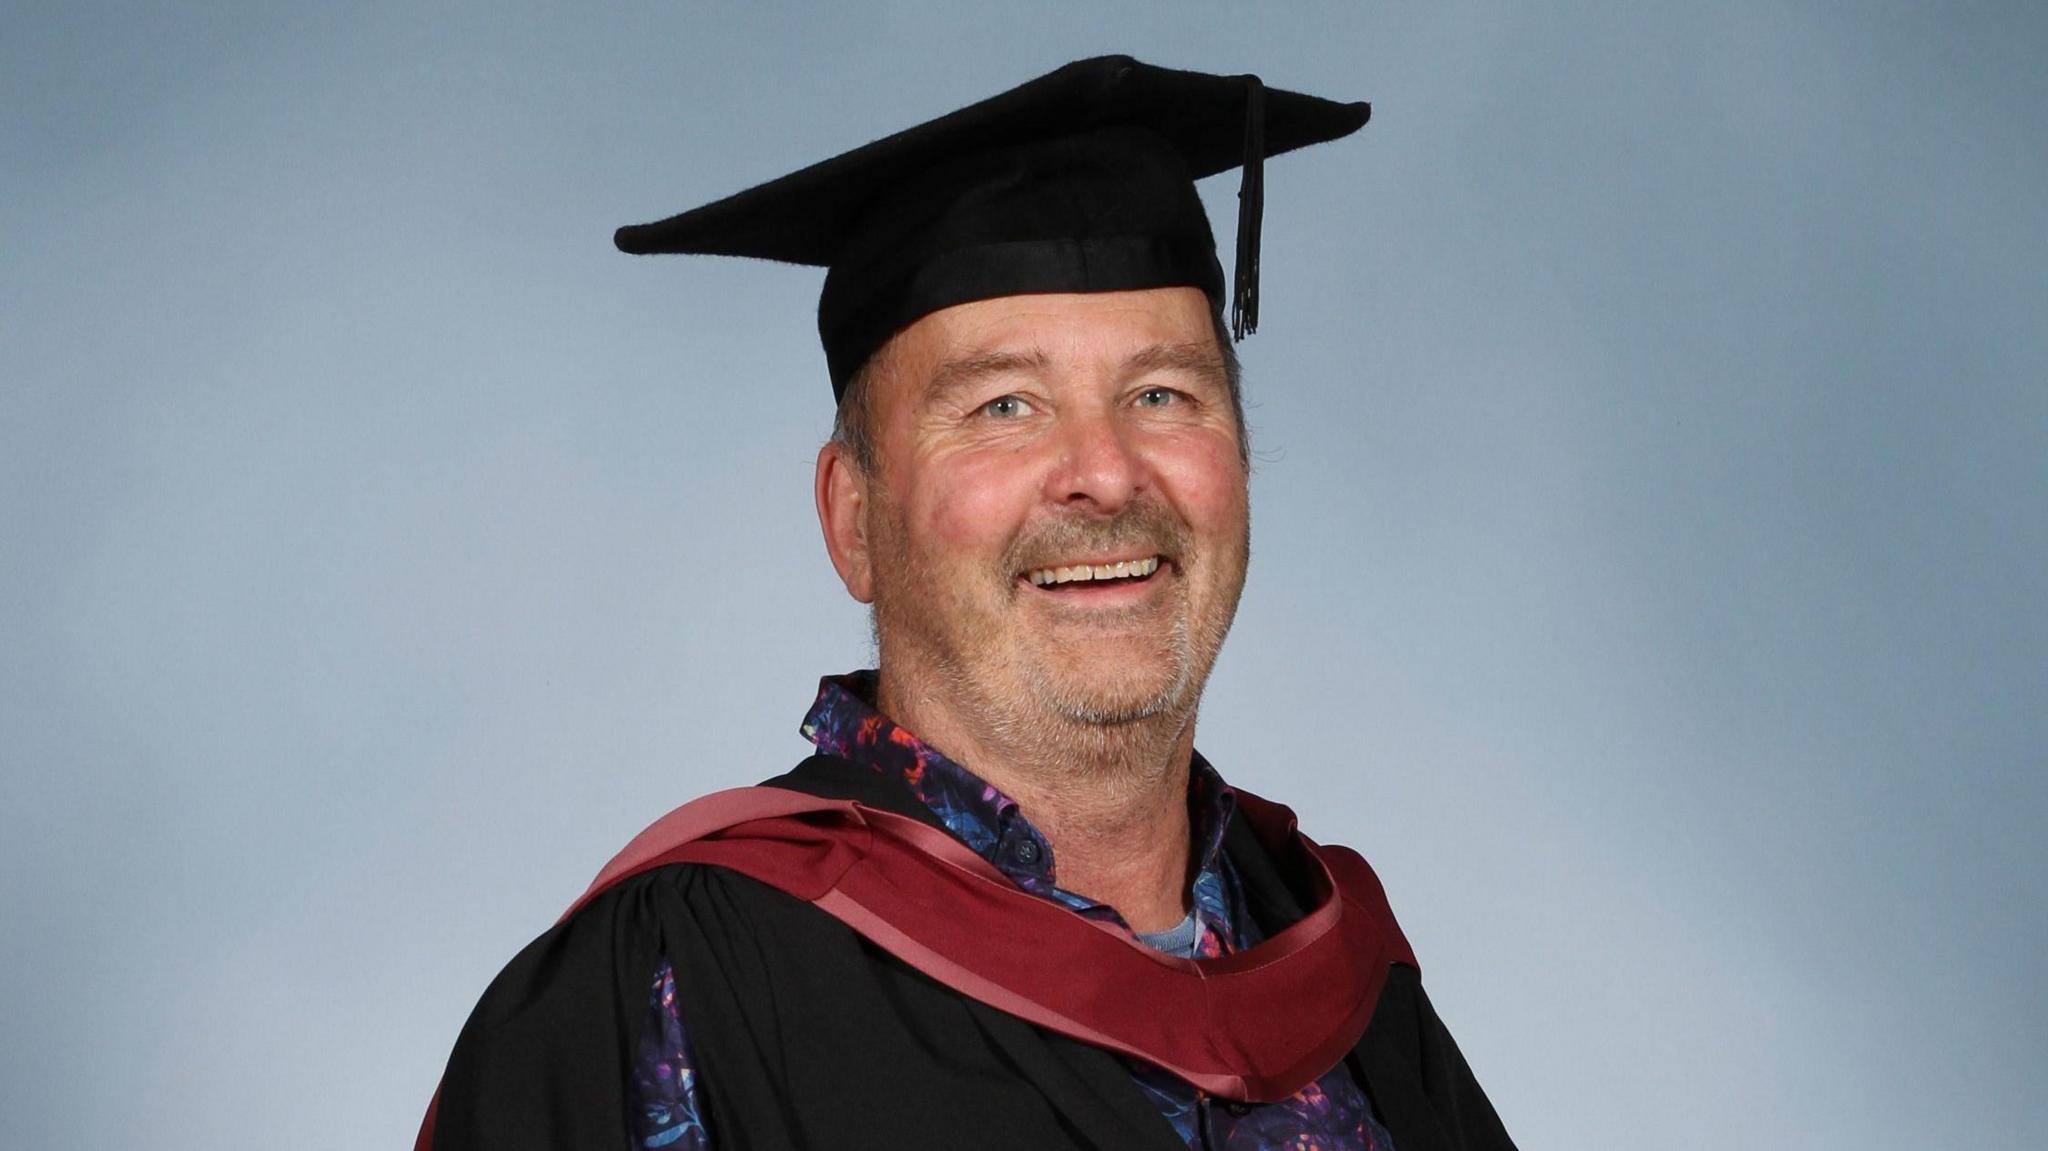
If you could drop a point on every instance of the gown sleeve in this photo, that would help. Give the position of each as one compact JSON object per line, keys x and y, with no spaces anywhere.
{"x":550,"y":1056}
{"x":1420,"y":1083}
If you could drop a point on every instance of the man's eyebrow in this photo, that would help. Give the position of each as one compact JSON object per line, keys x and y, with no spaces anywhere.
{"x":966,"y":371}
{"x":1196,"y":359}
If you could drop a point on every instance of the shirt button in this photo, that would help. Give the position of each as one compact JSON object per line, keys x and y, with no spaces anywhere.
{"x":1237,"y":1108}
{"x":1026,"y":852}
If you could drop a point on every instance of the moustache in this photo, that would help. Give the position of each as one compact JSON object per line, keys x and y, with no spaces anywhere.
{"x":1138,"y":529}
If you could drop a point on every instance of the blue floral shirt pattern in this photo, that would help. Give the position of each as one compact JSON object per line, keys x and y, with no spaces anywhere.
{"x":1332,"y":1114}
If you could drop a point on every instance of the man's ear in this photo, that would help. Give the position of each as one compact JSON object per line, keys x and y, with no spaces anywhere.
{"x":842,"y":495}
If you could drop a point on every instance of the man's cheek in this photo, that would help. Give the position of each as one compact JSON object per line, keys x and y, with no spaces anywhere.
{"x":1210,"y":487}
{"x":976,"y":507}
{"x":967,"y":519}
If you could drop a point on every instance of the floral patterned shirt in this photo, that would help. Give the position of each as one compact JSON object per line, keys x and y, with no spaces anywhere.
{"x":1332,"y":1114}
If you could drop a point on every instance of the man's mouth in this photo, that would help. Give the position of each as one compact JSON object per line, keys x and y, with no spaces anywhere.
{"x":1129,"y":571}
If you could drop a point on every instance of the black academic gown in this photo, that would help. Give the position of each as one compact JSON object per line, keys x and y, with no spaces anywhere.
{"x":808,"y":1036}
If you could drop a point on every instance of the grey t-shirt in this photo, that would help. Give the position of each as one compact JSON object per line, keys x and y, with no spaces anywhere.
{"x":1178,"y":940}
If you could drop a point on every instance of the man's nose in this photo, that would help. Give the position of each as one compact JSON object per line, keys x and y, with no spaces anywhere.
{"x":1098,"y":464}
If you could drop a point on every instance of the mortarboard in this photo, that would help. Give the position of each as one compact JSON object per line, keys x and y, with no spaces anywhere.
{"x":1079,"y":181}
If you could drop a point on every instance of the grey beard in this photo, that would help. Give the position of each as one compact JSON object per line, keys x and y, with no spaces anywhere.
{"x":1088,"y":714}
{"x":1115,"y":751}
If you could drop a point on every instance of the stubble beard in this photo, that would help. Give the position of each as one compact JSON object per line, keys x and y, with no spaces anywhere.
{"x":1020,"y":700}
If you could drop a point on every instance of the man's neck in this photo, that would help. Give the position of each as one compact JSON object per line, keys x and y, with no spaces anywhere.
{"x":1111,"y":800}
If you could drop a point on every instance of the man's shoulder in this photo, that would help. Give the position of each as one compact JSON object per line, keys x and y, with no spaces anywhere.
{"x":646,"y":885}
{"x":1279,"y":880}
{"x":645,"y":896}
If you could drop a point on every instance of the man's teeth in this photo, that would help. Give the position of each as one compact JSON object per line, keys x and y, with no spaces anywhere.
{"x":1128,"y":569}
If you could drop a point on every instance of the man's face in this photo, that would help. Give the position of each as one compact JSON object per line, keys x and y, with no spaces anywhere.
{"x":1059,"y":522}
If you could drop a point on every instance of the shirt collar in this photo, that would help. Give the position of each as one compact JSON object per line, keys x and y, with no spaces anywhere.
{"x":844,"y":722}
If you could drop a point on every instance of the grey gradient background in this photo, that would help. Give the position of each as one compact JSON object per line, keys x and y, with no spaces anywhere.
{"x":1651,"y":528}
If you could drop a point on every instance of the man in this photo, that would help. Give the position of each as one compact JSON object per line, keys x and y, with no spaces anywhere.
{"x":1007,"y":904}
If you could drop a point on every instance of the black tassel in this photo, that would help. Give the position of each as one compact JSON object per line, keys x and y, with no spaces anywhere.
{"x":1251,"y":210}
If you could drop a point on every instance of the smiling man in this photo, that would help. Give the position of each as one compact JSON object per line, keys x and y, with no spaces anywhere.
{"x":1006,"y":904}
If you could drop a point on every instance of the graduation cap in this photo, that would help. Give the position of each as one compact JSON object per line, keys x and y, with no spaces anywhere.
{"x":1079,"y":181}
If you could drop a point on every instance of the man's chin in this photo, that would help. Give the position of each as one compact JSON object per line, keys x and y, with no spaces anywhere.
{"x":1107,"y":697}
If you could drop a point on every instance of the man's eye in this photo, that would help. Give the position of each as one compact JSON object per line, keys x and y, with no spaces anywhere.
{"x":1156,"y":397}
{"x":1006,"y":407}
